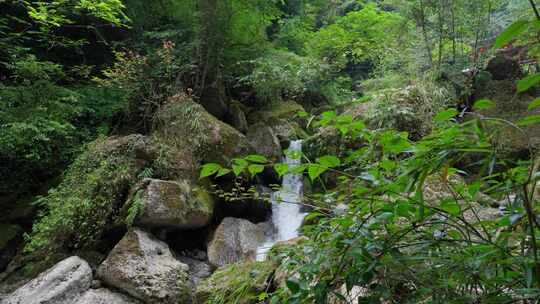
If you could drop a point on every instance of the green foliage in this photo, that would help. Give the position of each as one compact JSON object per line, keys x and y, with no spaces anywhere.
{"x":88,"y":200}
{"x":135,"y":209}
{"x":43,"y":124}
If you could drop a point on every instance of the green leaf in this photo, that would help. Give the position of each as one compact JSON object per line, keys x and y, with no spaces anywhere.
{"x":315,"y":171}
{"x":446,"y":115}
{"x":528,"y":82}
{"x":209,"y":169}
{"x":281,"y":169}
{"x":223,"y":171}
{"x":302,"y":114}
{"x":257,"y":159}
{"x":237,"y":169}
{"x":451,"y":206}
{"x":255,"y":169}
{"x":529,"y":120}
{"x":329,"y":161}
{"x":293,"y":286}
{"x":483,"y":104}
{"x":510,"y":33}
{"x":534,"y":104}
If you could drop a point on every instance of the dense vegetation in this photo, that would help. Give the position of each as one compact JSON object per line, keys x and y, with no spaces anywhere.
{"x":400,"y":109}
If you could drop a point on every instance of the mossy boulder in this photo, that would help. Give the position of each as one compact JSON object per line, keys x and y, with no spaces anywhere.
{"x":237,"y":116}
{"x":510,"y":106}
{"x":240,"y":283}
{"x":174,"y":204}
{"x":92,"y":193}
{"x":502,"y":67}
{"x":145,"y":268}
{"x":188,"y":136}
{"x":275,"y":110}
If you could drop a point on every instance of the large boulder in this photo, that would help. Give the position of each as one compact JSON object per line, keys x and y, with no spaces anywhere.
{"x":145,"y":268}
{"x":94,"y":188}
{"x":276,"y":110}
{"x":63,"y":283}
{"x":265,"y":141}
{"x":503,"y":67}
{"x":240,"y":283}
{"x":175,"y":205}
{"x":235,"y":240}
{"x":105,"y":296}
{"x":509,"y":106}
{"x":194,"y":134}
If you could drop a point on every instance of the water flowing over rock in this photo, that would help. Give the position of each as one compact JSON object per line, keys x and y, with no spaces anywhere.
{"x":62,"y":284}
{"x":287,"y":216}
{"x":145,"y":268}
{"x":175,"y":205}
{"x":234,"y":240}
{"x":105,"y":296}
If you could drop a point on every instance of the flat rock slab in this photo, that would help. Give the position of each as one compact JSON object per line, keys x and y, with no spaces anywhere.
{"x":62,"y":284}
{"x":144,"y":267}
{"x":235,"y":240}
{"x":105,"y":296}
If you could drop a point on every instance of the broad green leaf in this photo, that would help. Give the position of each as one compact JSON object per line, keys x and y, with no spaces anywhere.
{"x":451,"y":206}
{"x":223,"y":171}
{"x":240,"y":162}
{"x":534,"y":104}
{"x":529,"y":120}
{"x":511,"y":33}
{"x":209,"y":169}
{"x":237,"y":169}
{"x":255,"y":169}
{"x":302,"y":114}
{"x":281,"y":169}
{"x":315,"y":171}
{"x":446,"y":115}
{"x":483,"y":104}
{"x":293,"y":286}
{"x":257,"y":159}
{"x":528,"y":82}
{"x":329,"y":161}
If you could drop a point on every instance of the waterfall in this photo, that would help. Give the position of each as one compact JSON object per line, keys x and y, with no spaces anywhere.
{"x":287,"y":213}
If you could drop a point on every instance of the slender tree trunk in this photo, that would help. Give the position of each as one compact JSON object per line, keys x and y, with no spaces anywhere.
{"x":441,"y":34}
{"x":453,"y":21}
{"x":423,"y":25}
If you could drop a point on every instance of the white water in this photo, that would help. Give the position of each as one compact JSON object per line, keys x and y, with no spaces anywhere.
{"x":286,"y":203}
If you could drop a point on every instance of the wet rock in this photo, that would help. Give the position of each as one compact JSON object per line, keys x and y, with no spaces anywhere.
{"x":234,"y":240}
{"x":145,"y":268}
{"x":63,"y":283}
{"x":105,"y":296}
{"x":198,"y":270}
{"x":265,"y":141}
{"x":175,"y":205}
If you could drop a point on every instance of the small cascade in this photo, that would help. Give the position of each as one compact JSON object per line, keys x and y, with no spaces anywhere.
{"x":287,"y":215}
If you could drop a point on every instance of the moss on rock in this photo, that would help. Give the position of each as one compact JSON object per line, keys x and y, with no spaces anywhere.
{"x":276,"y":110}
{"x":189,"y":136}
{"x":91,"y":194}
{"x":240,"y":283}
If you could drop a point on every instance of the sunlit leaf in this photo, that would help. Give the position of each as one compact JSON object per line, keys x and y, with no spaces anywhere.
{"x":257,"y":159}
{"x":329,"y":161}
{"x":534,"y":104}
{"x":511,"y":33}
{"x":446,"y":115}
{"x":315,"y":171}
{"x":483,"y":104}
{"x":529,"y":120}
{"x":209,"y":169}
{"x":528,"y":82}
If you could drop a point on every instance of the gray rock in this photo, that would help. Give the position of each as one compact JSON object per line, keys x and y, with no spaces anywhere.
{"x":104,"y":296}
{"x":145,"y":268}
{"x":63,"y":283}
{"x":177,"y":205}
{"x":235,"y":240}
{"x":198,"y":270}
{"x":238,"y":117}
{"x":265,"y":141}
